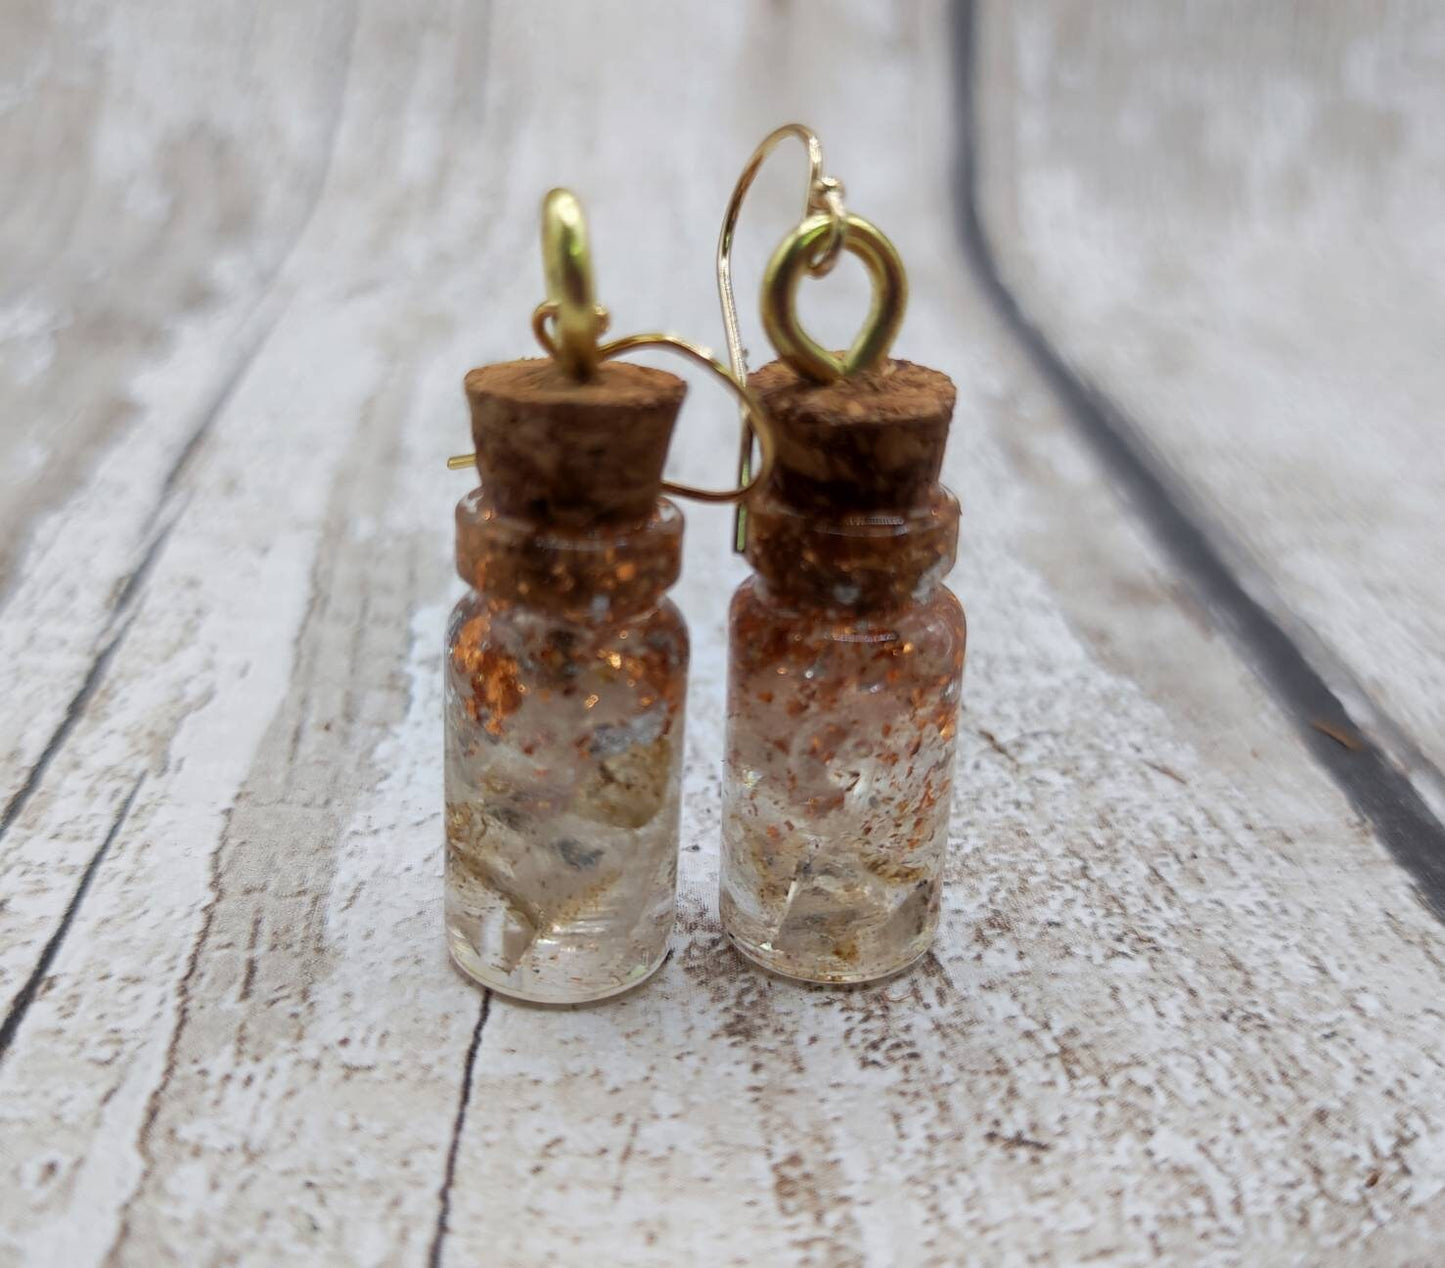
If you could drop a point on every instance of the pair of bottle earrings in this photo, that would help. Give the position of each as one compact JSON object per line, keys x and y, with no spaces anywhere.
{"x":567,"y":665}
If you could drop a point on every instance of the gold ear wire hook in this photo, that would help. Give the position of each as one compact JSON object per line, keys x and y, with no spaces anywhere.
{"x":824,"y":196}
{"x":752,"y":412}
{"x":577,"y":322}
{"x":813,"y":246}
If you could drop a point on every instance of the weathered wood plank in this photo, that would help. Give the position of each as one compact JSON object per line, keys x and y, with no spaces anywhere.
{"x":265,"y":666}
{"x":1183,"y":1003}
{"x":152,"y":198}
{"x":1226,"y":217}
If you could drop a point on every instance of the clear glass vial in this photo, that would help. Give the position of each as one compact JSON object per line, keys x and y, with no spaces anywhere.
{"x":845,"y":668}
{"x":565,"y":684}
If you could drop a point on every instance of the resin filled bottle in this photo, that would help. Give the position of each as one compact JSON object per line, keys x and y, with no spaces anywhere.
{"x":845,"y":667}
{"x":565,"y":682}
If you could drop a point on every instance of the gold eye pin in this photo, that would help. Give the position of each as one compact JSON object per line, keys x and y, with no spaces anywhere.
{"x":569,"y":322}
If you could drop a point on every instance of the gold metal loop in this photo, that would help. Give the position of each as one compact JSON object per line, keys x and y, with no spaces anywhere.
{"x":547,"y":311}
{"x":748,"y":403}
{"x":824,"y":195}
{"x":567,"y":268}
{"x":780,"y":299}
{"x":830,"y":202}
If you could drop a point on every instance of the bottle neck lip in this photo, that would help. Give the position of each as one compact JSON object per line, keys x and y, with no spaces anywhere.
{"x":592,"y":574}
{"x":852,"y":561}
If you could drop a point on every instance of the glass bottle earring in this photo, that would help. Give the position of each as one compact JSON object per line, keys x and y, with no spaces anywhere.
{"x":566,"y":667}
{"x":845,"y":648}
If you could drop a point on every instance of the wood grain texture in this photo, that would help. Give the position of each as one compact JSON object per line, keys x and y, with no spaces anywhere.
{"x":1183,"y":1007}
{"x":1225,"y":217}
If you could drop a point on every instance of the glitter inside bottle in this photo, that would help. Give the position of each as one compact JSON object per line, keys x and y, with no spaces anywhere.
{"x":565,"y":682}
{"x":845,"y":667}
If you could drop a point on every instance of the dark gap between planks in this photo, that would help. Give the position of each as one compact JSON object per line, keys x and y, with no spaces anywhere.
{"x":1375,"y":787}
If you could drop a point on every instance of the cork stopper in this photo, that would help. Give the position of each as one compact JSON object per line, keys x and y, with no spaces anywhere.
{"x":870,"y":441}
{"x":556,"y":451}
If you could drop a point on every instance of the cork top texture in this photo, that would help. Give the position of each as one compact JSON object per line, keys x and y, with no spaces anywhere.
{"x":873,"y":440}
{"x":558,"y":451}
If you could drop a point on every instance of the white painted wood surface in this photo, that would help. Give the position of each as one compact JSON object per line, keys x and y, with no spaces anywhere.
{"x":1227,"y":216}
{"x":1184,"y":1006}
